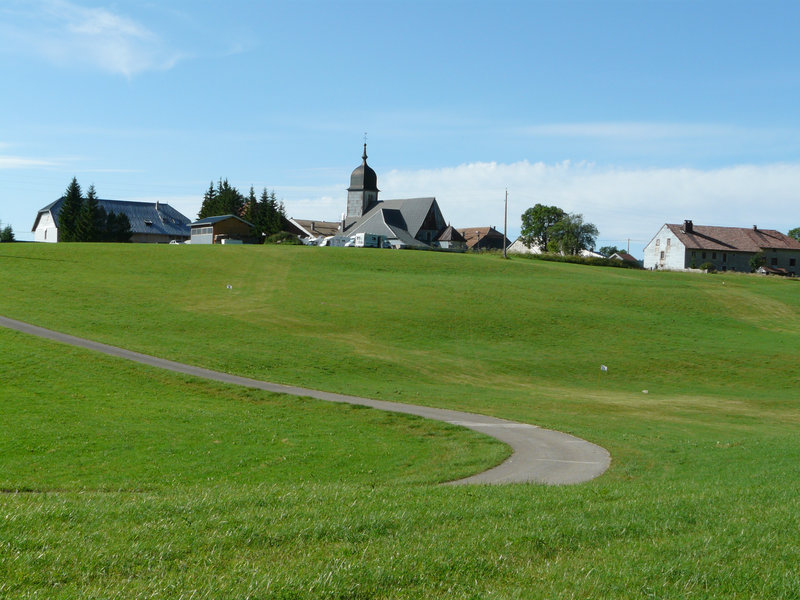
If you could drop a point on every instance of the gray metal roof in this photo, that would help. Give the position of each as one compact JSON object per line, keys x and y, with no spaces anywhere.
{"x":155,"y":218}
{"x":217,"y":219}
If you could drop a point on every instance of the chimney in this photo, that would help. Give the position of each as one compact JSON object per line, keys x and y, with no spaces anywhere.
{"x":688,"y":226}
{"x":755,"y":227}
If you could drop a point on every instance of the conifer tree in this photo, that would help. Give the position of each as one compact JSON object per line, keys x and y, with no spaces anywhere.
{"x":6,"y":233}
{"x":89,"y":225}
{"x":208,"y":207}
{"x":70,"y":212}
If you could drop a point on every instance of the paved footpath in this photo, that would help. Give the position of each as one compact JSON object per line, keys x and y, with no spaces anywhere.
{"x":539,"y":455}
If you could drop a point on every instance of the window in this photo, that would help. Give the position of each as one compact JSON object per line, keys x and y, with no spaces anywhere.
{"x":724,"y":257}
{"x":704,"y":255}
{"x":774,"y":261}
{"x":792,"y":261}
{"x":668,"y":240}
{"x":662,"y":255}
{"x":713,"y":256}
{"x":694,"y":253}
{"x":658,"y":242}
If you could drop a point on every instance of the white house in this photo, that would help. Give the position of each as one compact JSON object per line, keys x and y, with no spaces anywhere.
{"x":688,"y":246}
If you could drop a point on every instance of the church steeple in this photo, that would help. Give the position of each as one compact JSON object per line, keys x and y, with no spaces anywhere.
{"x":362,"y":194}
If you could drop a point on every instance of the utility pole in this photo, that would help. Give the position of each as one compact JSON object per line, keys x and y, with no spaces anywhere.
{"x":505,"y":226}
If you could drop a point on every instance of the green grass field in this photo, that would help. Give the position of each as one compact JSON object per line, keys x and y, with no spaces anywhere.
{"x":120,"y":481}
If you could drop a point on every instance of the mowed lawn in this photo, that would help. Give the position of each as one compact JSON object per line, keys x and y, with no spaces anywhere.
{"x":120,"y":481}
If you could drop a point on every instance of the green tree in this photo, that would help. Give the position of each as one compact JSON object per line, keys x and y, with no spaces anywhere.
{"x":91,"y":219}
{"x":6,"y":234}
{"x":757,"y":260}
{"x":609,"y":250}
{"x":251,"y":207}
{"x":571,"y":234}
{"x":209,"y":199}
{"x":224,"y":200}
{"x":70,"y":212}
{"x":117,"y":228}
{"x":795,"y":233}
{"x":536,"y":224}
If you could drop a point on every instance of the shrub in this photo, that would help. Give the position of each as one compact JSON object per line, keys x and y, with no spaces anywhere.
{"x":283,"y":237}
{"x":708,"y":267}
{"x":580,"y":260}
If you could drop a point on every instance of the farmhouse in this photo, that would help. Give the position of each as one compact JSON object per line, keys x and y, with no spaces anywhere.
{"x":151,"y":222}
{"x":484,"y":238}
{"x":624,"y":257}
{"x":406,"y":223}
{"x":223,"y":229}
{"x":313,"y":230}
{"x":451,"y":239}
{"x":688,"y":246}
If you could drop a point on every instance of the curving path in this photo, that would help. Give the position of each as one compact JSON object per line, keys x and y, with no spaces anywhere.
{"x":539,"y":455}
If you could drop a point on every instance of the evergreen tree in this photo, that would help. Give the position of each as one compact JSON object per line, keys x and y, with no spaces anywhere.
{"x":251,"y":207}
{"x":89,"y":227}
{"x":208,"y":207}
{"x":118,"y":228}
{"x":229,"y":201}
{"x":224,"y":200}
{"x":6,"y":234}
{"x":70,"y":212}
{"x":272,"y":213}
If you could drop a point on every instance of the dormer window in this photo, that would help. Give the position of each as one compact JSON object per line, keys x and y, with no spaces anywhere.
{"x":148,"y":222}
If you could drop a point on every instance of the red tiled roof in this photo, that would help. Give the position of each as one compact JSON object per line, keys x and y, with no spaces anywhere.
{"x":743,"y":239}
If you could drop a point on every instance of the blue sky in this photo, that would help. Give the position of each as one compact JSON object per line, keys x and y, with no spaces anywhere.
{"x":631,"y":113}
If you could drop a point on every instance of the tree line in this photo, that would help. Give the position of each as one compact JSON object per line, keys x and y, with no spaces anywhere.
{"x":82,"y":219}
{"x":265,"y":212}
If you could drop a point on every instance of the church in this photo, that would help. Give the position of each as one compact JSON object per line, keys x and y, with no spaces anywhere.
{"x":407,"y":223}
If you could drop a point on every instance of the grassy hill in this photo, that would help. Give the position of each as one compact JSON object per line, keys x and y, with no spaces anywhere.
{"x":701,"y":500}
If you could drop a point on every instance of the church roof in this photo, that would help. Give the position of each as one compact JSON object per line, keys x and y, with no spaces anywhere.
{"x":412,"y":211}
{"x":363,"y":177}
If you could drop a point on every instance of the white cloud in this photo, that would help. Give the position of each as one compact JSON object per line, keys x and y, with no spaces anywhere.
{"x":623,"y":203}
{"x":68,"y":34}
{"x":18,"y":162}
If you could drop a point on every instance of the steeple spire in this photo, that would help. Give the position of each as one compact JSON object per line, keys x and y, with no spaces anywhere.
{"x":364,"y":156}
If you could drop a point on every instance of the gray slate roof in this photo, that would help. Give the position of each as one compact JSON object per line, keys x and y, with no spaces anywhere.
{"x":401,"y":219}
{"x":163,"y":220}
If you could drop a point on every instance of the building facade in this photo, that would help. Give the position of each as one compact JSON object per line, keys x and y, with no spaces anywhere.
{"x":689,"y":246}
{"x":221,"y":230}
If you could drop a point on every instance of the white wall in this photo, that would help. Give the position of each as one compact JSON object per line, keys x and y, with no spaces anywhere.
{"x":46,"y":229}
{"x":665,"y":251}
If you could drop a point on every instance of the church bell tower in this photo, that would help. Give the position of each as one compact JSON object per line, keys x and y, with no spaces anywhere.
{"x":362,"y":194}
